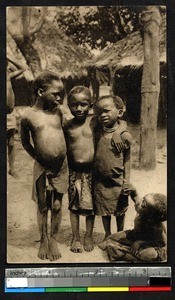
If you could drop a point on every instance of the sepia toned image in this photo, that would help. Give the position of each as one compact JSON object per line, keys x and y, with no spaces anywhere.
{"x":86,"y":134}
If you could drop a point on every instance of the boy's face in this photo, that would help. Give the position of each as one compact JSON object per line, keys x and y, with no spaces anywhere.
{"x":145,"y":205}
{"x":52,"y":95}
{"x":107,"y":112}
{"x":79,"y":106}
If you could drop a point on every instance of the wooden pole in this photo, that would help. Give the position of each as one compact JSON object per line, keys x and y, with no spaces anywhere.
{"x":150,"y":88}
{"x":111,"y":72}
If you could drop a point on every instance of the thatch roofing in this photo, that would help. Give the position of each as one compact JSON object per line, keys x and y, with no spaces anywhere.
{"x":59,"y":53}
{"x":128,"y":51}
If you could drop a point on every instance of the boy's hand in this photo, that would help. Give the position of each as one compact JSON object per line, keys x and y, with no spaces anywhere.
{"x":129,"y":189}
{"x":118,"y":146}
{"x":136,"y":247}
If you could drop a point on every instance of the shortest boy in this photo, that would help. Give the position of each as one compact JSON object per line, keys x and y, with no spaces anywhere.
{"x":147,"y":241}
{"x":14,"y":69}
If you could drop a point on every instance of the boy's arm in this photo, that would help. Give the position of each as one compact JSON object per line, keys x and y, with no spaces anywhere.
{"x":127,"y":164}
{"x":129,"y":189}
{"x":25,"y":138}
{"x":127,"y":140}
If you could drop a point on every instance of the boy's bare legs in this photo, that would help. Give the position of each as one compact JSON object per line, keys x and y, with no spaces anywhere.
{"x":120,"y":219}
{"x":56,"y":216}
{"x":88,"y":240}
{"x":75,"y":244}
{"x":107,"y":227}
{"x":43,"y":252}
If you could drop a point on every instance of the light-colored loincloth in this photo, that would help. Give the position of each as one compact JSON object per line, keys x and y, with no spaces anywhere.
{"x":58,"y":182}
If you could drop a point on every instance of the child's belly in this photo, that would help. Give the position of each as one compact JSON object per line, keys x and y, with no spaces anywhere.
{"x":82,"y":153}
{"x":50,"y":147}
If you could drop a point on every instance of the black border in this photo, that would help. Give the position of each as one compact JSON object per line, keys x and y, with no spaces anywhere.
{"x":171,"y":155}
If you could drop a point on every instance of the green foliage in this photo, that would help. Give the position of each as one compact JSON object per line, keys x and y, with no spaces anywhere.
{"x":97,"y":26}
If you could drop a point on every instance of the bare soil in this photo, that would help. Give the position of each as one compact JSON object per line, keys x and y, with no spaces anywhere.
{"x":22,"y":230}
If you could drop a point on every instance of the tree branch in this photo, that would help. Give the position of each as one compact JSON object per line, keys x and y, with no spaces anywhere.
{"x":40,"y":21}
{"x":15,"y":63}
{"x":25,"y":25}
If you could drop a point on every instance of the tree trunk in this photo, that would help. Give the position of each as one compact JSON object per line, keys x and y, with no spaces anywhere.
{"x":31,"y":55}
{"x":27,"y":29}
{"x":150,"y":88}
{"x":111,"y":83}
{"x":94,"y":83}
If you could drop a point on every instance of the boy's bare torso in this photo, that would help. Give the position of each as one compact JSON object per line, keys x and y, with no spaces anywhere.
{"x":47,"y":135}
{"x":80,"y":141}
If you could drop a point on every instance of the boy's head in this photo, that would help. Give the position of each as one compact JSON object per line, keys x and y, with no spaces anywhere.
{"x":109,"y":109}
{"x":154,"y":206}
{"x":79,"y":101}
{"x":49,"y":87}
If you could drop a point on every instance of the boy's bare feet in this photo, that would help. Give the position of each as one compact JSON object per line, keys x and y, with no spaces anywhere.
{"x":76,"y":246}
{"x":43,"y":252}
{"x":54,"y":254}
{"x":88,"y":243}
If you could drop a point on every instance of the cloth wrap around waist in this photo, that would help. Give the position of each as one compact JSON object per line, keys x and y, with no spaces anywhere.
{"x":81,"y":189}
{"x":59,"y":182}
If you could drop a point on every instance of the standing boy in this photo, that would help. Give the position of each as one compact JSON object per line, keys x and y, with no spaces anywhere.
{"x":43,"y":123}
{"x":12,"y":72}
{"x":112,"y":162}
{"x":80,"y":151}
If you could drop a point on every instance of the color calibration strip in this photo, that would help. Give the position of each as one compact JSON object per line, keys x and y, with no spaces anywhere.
{"x":107,"y":279}
{"x":88,"y":289}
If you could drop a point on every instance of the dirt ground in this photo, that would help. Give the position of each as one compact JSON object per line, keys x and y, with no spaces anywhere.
{"x":22,"y":230}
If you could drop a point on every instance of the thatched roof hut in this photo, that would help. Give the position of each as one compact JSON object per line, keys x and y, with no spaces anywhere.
{"x":125,"y":58}
{"x":128,"y":51}
{"x":59,"y":53}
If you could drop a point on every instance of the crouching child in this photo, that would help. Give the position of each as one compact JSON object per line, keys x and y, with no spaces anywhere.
{"x":147,"y":242}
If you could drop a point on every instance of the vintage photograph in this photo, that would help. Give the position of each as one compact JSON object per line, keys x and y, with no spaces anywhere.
{"x":86,"y":134}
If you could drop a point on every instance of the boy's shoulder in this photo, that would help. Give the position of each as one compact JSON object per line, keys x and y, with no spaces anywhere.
{"x":72,"y":122}
{"x":26,"y":113}
{"x":94,"y":121}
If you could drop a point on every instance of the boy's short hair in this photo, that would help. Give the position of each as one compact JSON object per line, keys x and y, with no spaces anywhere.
{"x":116,"y":99}
{"x":43,"y":80}
{"x":159,"y":212}
{"x":79,"y":89}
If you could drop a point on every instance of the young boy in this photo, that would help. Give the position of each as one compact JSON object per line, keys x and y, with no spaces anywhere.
{"x":147,"y":241}
{"x":43,"y":124}
{"x":13,"y":71}
{"x":112,"y":162}
{"x":80,"y":151}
